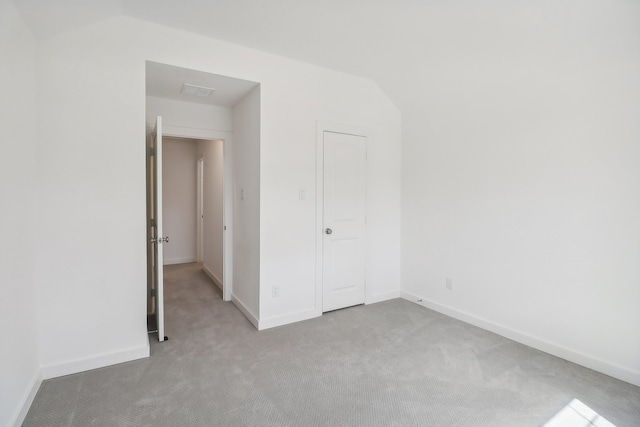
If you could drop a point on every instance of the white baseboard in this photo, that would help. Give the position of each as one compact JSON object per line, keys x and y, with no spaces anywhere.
{"x":385,"y":296}
{"x":99,"y":361}
{"x":286,"y":319}
{"x":27,"y":399}
{"x":590,"y":362}
{"x":247,"y":313}
{"x":212,"y":276}
{"x":172,"y":261}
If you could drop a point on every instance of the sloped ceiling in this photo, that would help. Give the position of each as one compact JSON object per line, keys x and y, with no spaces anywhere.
{"x":352,"y":35}
{"x":370,"y":38}
{"x":47,"y":18}
{"x":355,"y":36}
{"x":404,"y":45}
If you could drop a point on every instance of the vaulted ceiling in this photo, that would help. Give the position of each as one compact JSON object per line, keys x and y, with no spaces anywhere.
{"x":357,"y":36}
{"x":401,"y":44}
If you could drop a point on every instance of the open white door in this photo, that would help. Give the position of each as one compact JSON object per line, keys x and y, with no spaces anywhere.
{"x":344,"y":217}
{"x":157,"y":238}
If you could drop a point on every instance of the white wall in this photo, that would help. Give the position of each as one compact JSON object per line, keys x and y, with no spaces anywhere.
{"x":92,"y":169}
{"x":92,"y":281}
{"x":246,"y":204}
{"x":291,"y":107}
{"x":19,"y":360}
{"x":187,"y":116}
{"x":521,"y":177}
{"x":179,"y":173}
{"x":213,"y":155}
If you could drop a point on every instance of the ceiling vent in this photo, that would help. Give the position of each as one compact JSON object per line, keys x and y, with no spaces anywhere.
{"x":188,"y":89}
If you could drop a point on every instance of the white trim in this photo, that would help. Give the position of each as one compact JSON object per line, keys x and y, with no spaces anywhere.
{"x":192,"y":133}
{"x":247,"y":313}
{"x":227,"y":217}
{"x":596,"y":364}
{"x":172,"y":261}
{"x":94,"y":362}
{"x":385,"y":296}
{"x":159,"y":253}
{"x":321,"y":127}
{"x":212,"y":276}
{"x":27,"y":399}
{"x":319,"y":211}
{"x":286,"y":319}
{"x":200,"y":210}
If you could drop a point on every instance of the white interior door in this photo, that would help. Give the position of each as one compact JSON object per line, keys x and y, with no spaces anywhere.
{"x":157,"y":237}
{"x":344,"y":220}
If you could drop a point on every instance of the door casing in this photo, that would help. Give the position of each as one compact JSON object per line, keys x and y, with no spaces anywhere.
{"x":226,"y":138}
{"x":321,"y":128}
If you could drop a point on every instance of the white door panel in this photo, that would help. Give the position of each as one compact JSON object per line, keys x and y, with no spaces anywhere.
{"x":344,"y":216}
{"x":157,"y":236}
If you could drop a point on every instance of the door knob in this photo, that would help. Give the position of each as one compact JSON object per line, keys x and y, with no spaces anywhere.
{"x":328,"y":231}
{"x":164,"y":239}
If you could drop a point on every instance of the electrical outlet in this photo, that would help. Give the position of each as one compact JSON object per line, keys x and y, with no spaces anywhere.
{"x":275,"y":291}
{"x":449,"y":283}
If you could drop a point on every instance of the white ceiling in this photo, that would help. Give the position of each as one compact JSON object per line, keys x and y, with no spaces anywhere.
{"x":334,"y":33}
{"x":406,"y":46}
{"x":47,"y":18}
{"x":357,"y":36}
{"x":165,"y":81}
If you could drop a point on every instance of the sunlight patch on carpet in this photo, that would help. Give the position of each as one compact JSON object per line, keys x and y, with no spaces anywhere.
{"x":577,"y":414}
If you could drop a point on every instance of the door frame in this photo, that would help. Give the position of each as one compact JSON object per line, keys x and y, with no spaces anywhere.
{"x":200,"y":210}
{"x":155,"y":238}
{"x":321,"y":128}
{"x":227,"y":193}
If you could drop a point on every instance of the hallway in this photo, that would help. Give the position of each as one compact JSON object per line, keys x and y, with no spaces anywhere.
{"x":190,"y":300}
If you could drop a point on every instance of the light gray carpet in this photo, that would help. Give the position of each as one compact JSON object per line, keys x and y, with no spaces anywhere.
{"x":387,"y":364}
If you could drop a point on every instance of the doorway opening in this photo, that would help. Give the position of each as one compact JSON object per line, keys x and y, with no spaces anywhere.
{"x":193,"y":204}
{"x":187,"y":214}
{"x":197,"y":226}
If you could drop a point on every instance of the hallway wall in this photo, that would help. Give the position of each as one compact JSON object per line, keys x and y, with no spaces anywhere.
{"x":246,"y":205}
{"x":212,"y":153}
{"x":187,"y":115}
{"x":179,"y":174}
{"x":19,"y":359}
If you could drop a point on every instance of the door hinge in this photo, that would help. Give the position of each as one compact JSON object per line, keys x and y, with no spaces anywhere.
{"x":152,"y":152}
{"x":152,"y":293}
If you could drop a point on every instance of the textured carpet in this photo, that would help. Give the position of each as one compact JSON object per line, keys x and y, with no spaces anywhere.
{"x":387,"y":364}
